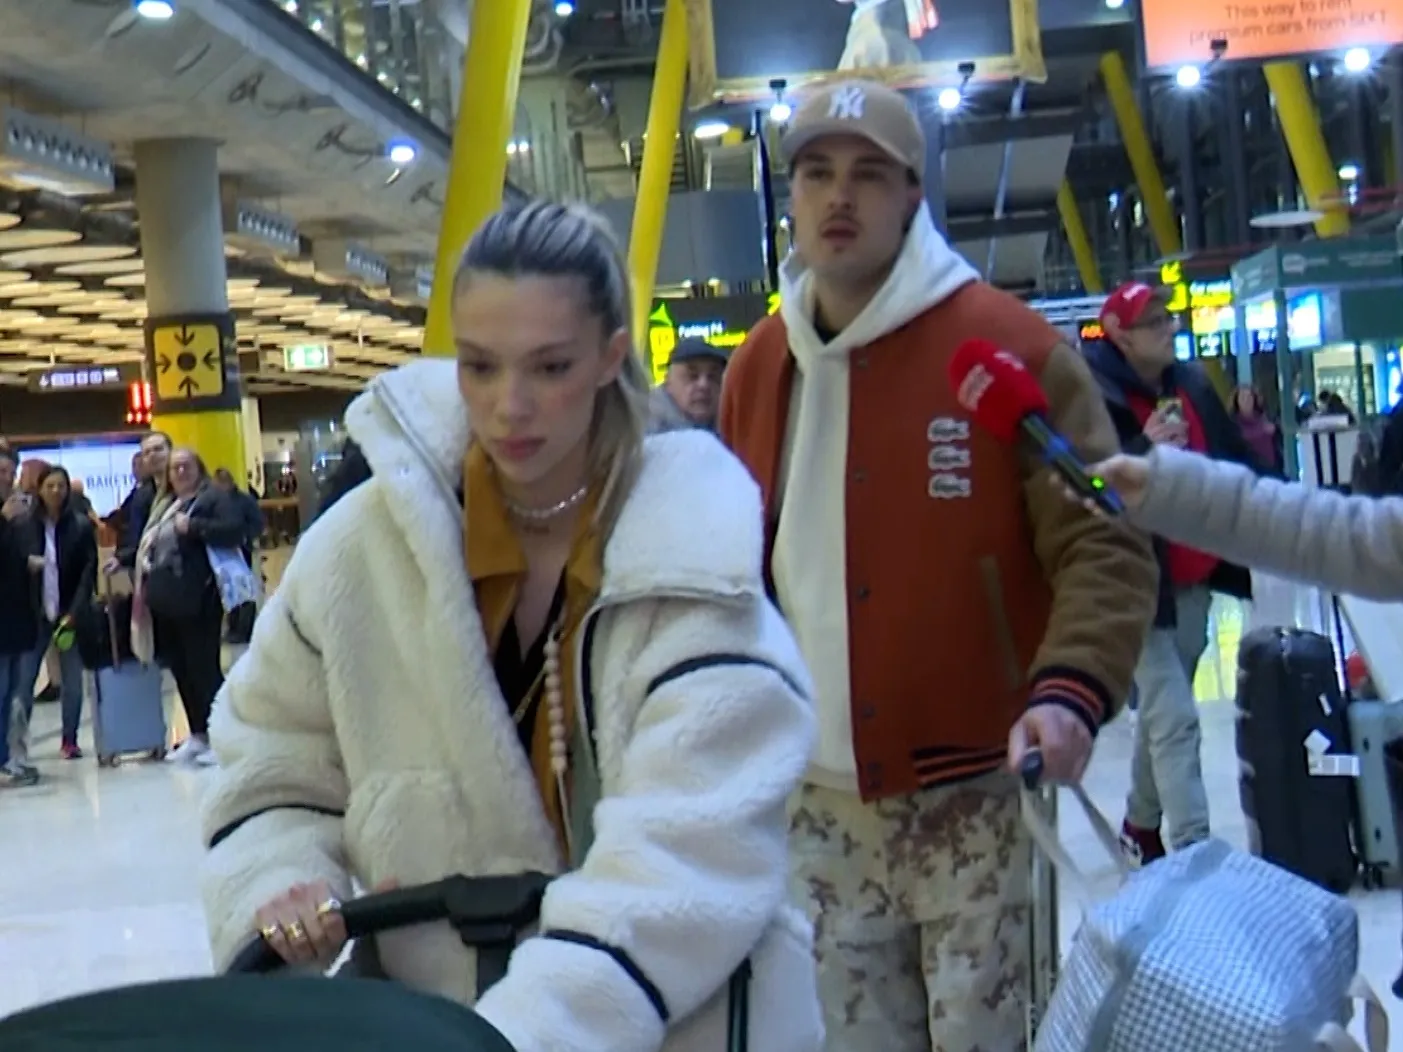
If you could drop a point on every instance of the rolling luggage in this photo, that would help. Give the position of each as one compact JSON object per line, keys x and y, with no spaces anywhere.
{"x":1372,"y":725}
{"x":128,"y":713}
{"x":1044,"y":947}
{"x":1293,"y":742}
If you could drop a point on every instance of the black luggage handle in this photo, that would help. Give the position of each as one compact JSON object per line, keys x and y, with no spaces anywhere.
{"x":1030,"y":769}
{"x":487,"y":912}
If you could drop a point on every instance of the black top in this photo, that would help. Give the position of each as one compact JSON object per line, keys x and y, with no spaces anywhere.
{"x":517,"y":672}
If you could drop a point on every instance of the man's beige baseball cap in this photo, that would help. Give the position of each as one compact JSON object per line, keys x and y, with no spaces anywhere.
{"x":859,"y":107}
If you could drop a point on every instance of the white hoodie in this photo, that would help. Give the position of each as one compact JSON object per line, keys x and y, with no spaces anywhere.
{"x":812,"y":531}
{"x":364,"y":734}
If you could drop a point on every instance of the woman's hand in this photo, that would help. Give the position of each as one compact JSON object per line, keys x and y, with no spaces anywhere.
{"x":1129,"y":476}
{"x":182,"y":523}
{"x":304,"y":924}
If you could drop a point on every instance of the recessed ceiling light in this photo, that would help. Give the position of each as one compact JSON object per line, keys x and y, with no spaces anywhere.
{"x":155,"y":10}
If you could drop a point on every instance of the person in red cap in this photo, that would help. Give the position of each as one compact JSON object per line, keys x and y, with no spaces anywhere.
{"x":1154,"y":398}
{"x":952,"y":613}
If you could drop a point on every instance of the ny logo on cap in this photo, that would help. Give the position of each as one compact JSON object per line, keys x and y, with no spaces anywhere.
{"x":846,"y":102}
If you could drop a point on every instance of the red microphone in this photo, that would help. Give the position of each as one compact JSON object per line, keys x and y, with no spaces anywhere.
{"x":1005,"y":399}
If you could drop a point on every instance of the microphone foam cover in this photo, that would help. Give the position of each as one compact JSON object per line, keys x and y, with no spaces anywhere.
{"x":995,"y":387}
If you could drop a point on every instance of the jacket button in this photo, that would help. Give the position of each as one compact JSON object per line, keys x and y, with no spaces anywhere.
{"x":859,"y":475}
{"x":862,"y":362}
{"x":873,"y":770}
{"x":863,"y":591}
{"x":868,"y":711}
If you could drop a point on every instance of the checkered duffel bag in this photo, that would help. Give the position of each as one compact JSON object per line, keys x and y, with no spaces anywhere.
{"x":1209,"y":948}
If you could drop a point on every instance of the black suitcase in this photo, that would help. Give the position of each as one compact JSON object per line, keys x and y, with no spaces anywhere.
{"x":1300,"y":816}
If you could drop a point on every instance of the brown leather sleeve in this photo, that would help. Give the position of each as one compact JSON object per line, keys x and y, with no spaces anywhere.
{"x":1103,"y":573}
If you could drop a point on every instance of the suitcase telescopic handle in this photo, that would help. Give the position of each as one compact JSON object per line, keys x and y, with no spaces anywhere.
{"x":1030,"y":769}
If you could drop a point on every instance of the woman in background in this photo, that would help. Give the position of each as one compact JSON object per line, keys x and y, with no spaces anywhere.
{"x":1345,"y":544}
{"x":1249,"y":412}
{"x":187,"y":621}
{"x":63,"y":569}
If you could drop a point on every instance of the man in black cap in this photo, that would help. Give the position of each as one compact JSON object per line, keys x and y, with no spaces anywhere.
{"x":691,"y":391}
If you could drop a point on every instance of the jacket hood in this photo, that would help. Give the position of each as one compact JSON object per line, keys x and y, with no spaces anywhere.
{"x":683,"y":529}
{"x":1114,"y":375}
{"x":927,"y":271}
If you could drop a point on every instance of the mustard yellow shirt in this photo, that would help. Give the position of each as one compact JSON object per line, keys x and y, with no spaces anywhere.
{"x":497,"y":567}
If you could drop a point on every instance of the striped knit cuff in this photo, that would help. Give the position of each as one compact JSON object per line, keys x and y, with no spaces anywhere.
{"x":1074,"y":690}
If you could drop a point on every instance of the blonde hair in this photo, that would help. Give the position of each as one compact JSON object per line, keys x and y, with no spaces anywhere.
{"x":545,"y":239}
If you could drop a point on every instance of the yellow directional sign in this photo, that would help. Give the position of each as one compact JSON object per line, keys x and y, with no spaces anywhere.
{"x":188,"y":361}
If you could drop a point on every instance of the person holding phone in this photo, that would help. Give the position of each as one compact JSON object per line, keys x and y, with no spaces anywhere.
{"x":19,"y":630}
{"x":1157,"y":401}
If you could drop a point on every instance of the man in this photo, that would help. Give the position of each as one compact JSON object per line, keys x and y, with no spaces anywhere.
{"x":691,"y":388}
{"x":955,"y":609}
{"x":1153,"y":397}
{"x":155,"y":463}
{"x":19,"y":630}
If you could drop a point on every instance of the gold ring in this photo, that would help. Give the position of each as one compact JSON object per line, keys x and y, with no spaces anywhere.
{"x":269,"y":932}
{"x":331,"y":905}
{"x":294,"y":932}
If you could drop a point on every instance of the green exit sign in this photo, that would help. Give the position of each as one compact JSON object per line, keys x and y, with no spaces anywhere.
{"x":306,"y":358}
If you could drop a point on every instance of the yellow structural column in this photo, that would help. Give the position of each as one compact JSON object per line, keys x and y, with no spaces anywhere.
{"x":1077,"y":239}
{"x":1142,"y":155}
{"x":191,"y":352}
{"x":1300,"y":124}
{"x":477,"y":170}
{"x":645,"y":243}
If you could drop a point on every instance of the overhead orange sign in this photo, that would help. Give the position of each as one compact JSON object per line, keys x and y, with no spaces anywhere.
{"x":1182,"y":32}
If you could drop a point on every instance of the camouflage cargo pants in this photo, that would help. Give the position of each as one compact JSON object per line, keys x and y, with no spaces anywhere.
{"x":921,"y":912}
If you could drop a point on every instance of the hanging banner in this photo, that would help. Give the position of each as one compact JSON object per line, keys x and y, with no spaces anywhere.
{"x":1182,"y":32}
{"x":905,"y":43}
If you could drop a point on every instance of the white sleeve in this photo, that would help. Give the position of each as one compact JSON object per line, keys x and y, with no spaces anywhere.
{"x":272,"y":814}
{"x":689,"y":862}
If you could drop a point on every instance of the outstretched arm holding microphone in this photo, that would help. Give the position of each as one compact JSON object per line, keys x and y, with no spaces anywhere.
{"x":1346,"y":544}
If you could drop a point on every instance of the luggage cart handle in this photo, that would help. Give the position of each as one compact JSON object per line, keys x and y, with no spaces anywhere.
{"x":484,"y":910}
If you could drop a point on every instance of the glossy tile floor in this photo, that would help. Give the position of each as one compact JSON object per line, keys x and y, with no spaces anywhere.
{"x":98,"y":885}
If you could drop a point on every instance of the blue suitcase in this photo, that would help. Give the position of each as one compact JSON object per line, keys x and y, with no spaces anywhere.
{"x":129,"y":715}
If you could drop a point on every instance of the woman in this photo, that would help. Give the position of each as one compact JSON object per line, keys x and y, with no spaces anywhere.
{"x":184,"y":614}
{"x":524,"y":610}
{"x":1345,"y":544}
{"x":1249,"y":412}
{"x":18,"y":632}
{"x":63,"y":569}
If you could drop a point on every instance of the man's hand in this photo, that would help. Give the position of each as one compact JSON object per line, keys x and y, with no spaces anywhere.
{"x":36,"y":564}
{"x":111,"y":566}
{"x":14,"y":507}
{"x":1166,"y":430}
{"x":1063,"y":739}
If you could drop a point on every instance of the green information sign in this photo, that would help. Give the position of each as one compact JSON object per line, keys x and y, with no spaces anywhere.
{"x":307,"y":358}
{"x":1317,"y":264}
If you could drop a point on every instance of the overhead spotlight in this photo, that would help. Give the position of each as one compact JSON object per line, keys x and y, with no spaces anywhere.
{"x":711,"y":129}
{"x":1358,"y":59}
{"x":1115,"y":5}
{"x":401,"y":152}
{"x":1349,"y":172}
{"x":1188,"y":77}
{"x":564,"y":8}
{"x":949,"y":99}
{"x":518,"y":146}
{"x":155,"y":10}
{"x":781,"y":111}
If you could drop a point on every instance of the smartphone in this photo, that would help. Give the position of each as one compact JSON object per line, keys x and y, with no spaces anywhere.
{"x":1171,"y":409}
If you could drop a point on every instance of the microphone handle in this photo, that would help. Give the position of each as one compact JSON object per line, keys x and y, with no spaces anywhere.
{"x":1056,"y":452}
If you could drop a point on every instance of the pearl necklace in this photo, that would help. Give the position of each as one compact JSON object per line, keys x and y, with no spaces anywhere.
{"x":559,"y":747}
{"x":525,"y":514}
